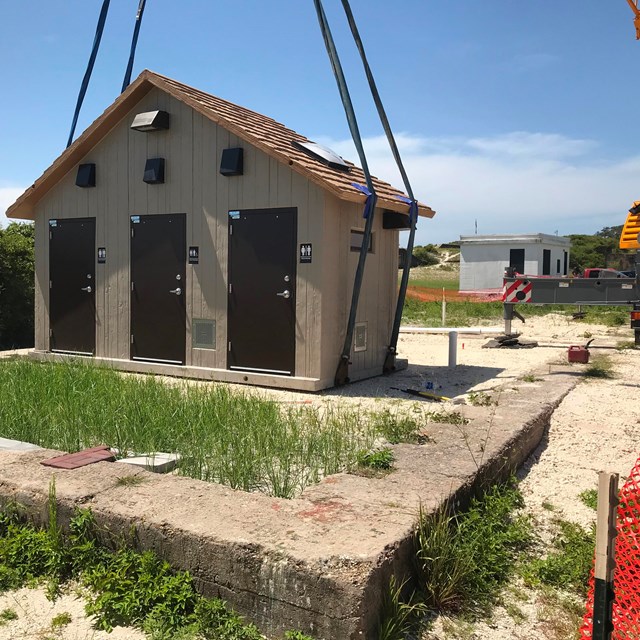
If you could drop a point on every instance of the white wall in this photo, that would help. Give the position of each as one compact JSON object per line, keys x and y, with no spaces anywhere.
{"x":482,"y":265}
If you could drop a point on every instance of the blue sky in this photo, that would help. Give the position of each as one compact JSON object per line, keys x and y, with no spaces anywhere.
{"x":518,"y":115}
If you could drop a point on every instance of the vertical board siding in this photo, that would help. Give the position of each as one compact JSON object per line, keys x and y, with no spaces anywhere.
{"x":192,"y":149}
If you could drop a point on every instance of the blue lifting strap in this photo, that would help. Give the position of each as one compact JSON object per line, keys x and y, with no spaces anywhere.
{"x":389,"y":363}
{"x":87,"y":74}
{"x":134,"y":44}
{"x":342,"y":372}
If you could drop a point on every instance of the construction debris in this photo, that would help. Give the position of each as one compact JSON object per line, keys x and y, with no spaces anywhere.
{"x":509,"y":341}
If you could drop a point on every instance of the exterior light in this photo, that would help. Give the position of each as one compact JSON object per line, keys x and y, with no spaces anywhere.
{"x":151,"y":121}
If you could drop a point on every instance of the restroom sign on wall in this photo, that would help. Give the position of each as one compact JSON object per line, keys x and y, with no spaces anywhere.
{"x":305,"y":252}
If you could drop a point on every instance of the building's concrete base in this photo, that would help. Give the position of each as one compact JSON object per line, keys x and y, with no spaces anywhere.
{"x":322,"y":562}
{"x":294,"y":383}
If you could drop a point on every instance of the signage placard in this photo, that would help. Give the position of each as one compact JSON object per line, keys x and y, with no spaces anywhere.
{"x":102,"y":255}
{"x":305,"y":252}
{"x":194,"y":255}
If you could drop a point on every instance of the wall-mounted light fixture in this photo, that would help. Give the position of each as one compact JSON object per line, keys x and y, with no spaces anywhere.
{"x":86,"y":176}
{"x":232,"y":162}
{"x":151,"y":121}
{"x":154,"y":171}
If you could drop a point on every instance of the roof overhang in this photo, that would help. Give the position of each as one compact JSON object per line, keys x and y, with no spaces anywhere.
{"x":24,"y":207}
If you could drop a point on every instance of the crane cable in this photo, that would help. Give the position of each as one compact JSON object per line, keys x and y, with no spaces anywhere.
{"x":342,"y":372}
{"x":134,"y":44}
{"x":94,"y":52}
{"x":87,"y":74}
{"x":389,"y":363}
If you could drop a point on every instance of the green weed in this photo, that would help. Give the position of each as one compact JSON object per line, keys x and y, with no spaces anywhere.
{"x":590,"y":498}
{"x":377,"y":460}
{"x":568,"y":565}
{"x":623,"y":345}
{"x":397,"y":428}
{"x":399,"y":615}
{"x":7,"y":615}
{"x":463,"y":560}
{"x":124,"y":587}
{"x":61,"y":620}
{"x":447,"y":417}
{"x":530,"y":377}
{"x":481,"y":399}
{"x":130,"y":481}
{"x":600,"y":367}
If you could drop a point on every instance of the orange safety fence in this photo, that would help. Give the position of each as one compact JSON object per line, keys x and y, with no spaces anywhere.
{"x":429,"y":294}
{"x":626,"y":579}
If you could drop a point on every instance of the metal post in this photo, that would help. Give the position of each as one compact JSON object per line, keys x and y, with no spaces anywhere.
{"x":605,"y":555}
{"x":508,"y":317}
{"x":453,"y":348}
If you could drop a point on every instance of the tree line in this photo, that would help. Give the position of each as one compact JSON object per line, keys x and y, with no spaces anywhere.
{"x":16,"y":286}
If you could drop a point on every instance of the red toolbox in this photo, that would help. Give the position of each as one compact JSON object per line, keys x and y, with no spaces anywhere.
{"x":578,"y":354}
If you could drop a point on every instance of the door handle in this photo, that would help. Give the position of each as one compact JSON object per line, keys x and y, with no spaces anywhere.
{"x":285,"y":294}
{"x":87,"y":289}
{"x":177,"y":291}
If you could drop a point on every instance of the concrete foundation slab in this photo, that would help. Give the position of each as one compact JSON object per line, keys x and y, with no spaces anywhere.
{"x":6,"y":444}
{"x":322,"y":562}
{"x":156,"y":462}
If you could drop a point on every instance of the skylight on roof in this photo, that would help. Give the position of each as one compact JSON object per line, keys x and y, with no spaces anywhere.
{"x":322,"y":154}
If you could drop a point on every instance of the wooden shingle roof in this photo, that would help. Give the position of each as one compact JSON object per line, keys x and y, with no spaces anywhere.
{"x":263,"y":132}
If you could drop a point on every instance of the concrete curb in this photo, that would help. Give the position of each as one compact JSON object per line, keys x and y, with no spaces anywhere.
{"x":319,"y":563}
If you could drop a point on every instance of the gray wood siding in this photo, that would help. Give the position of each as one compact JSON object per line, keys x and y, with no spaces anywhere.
{"x":193,"y":185}
{"x":378,"y":295}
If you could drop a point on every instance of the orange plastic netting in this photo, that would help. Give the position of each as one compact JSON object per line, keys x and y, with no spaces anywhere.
{"x":626,"y":582}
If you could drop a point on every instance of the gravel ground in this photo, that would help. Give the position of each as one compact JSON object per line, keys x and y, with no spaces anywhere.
{"x":596,"y":427}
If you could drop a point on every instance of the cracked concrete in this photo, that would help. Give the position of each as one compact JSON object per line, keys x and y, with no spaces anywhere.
{"x":321,"y":562}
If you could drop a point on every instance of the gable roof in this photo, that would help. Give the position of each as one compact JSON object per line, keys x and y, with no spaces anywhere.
{"x":266,"y":134}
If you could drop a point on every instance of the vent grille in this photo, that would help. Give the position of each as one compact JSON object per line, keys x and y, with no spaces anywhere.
{"x":360,"y":337}
{"x":204,"y":334}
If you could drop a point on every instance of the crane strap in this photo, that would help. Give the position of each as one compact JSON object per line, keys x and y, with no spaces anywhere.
{"x":134,"y":44}
{"x":389,"y":363}
{"x":342,"y":372}
{"x":87,"y":74}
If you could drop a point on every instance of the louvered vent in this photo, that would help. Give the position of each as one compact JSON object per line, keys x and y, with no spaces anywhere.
{"x":204,"y":334}
{"x":360,"y":337}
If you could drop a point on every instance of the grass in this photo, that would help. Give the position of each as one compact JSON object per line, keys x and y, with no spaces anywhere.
{"x":122,"y":586}
{"x":379,"y":460}
{"x":238,"y":439}
{"x":568,"y":565}
{"x":589,"y":497}
{"x":447,"y":417}
{"x":467,"y":313}
{"x":399,"y":615}
{"x":600,"y":367}
{"x":464,"y":560}
{"x":61,"y":620}
{"x":397,"y":427}
{"x":7,"y":615}
{"x":481,"y":399}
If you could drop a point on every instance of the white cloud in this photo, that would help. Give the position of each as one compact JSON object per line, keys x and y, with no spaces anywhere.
{"x":8,"y":195}
{"x":514,"y":183}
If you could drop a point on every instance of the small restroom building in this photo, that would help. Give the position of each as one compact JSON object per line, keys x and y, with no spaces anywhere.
{"x":182,"y":234}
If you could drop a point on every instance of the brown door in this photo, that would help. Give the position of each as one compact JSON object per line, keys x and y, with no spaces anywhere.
{"x":158,"y":316}
{"x":262,"y":292}
{"x":72,"y":316}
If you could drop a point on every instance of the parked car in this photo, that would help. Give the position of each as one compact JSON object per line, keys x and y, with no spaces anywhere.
{"x":629,"y":274}
{"x":603,"y":273}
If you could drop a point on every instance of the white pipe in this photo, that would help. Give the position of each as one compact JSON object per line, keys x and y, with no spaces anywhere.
{"x":468,"y":330}
{"x":453,"y":349}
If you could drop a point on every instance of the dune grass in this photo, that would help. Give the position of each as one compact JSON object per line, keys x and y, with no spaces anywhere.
{"x":235,"y":438}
